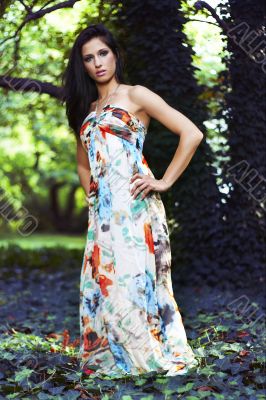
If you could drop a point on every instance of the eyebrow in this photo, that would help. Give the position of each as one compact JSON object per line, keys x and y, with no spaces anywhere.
{"x":104,"y":48}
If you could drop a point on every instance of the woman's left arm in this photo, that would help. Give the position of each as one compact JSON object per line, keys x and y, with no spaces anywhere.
{"x":179,"y":124}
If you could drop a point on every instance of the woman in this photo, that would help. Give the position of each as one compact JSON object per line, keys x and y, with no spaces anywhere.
{"x":130,"y":323}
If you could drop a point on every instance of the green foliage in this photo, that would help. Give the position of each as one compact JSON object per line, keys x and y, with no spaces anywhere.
{"x":37,"y":148}
{"x":39,"y":304}
{"x":231,"y":366}
{"x":36,"y":241}
{"x":40,"y":258}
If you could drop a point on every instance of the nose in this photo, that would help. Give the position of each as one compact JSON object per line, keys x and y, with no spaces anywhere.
{"x":97,"y":62}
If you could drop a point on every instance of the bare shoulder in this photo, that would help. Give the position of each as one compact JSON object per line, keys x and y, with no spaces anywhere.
{"x":148,"y":101}
{"x":132,"y":94}
{"x":141,"y":94}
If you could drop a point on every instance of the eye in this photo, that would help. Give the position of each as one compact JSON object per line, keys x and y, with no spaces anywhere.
{"x":102,"y":53}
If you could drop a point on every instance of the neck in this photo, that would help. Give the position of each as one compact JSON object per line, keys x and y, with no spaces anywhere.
{"x":105,"y":89}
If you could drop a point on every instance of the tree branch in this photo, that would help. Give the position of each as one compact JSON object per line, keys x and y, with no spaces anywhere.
{"x":39,"y":14}
{"x":25,"y":6}
{"x":200,"y":5}
{"x":202,"y":20}
{"x":30,"y":85}
{"x":46,"y":4}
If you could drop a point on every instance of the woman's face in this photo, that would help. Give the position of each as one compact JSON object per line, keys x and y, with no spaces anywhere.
{"x":97,"y":56}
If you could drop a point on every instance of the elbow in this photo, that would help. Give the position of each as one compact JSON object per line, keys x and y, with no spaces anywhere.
{"x":194,"y":136}
{"x":198,"y":137}
{"x":201,"y":136}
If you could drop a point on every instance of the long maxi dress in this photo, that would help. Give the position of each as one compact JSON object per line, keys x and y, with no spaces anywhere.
{"x":130,"y":323}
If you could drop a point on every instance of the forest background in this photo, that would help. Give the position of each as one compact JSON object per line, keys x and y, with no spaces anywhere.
{"x":207,"y":60}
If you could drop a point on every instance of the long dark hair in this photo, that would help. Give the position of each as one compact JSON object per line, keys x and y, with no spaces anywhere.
{"x":79,"y":89}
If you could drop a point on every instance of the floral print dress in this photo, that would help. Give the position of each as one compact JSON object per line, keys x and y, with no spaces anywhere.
{"x":130,"y":323}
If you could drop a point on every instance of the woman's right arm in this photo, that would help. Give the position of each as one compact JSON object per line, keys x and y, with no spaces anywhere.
{"x":83,"y":167}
